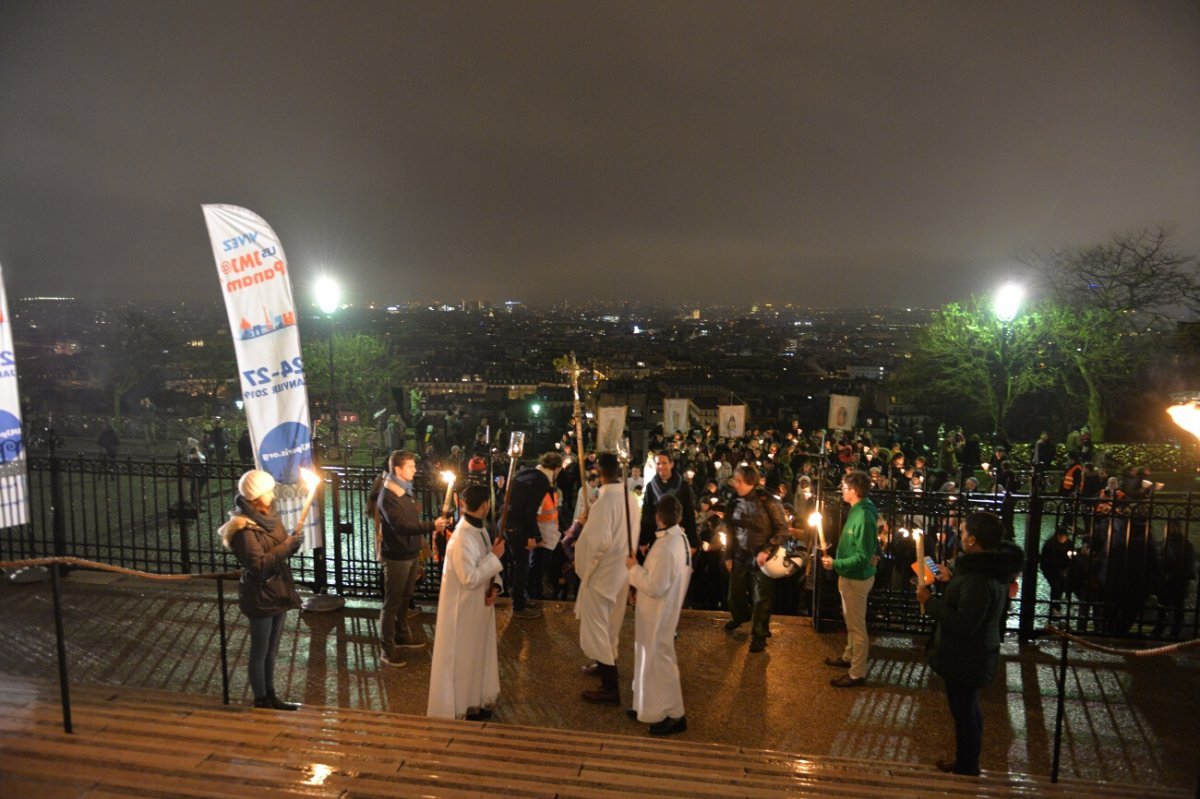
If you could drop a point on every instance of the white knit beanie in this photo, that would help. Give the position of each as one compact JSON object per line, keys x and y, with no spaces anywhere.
{"x":254,"y":483}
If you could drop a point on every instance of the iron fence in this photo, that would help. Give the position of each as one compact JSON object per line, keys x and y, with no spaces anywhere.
{"x":1118,"y":575}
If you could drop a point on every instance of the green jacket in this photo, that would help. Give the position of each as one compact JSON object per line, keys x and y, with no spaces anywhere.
{"x":858,"y":543}
{"x":966,"y":642}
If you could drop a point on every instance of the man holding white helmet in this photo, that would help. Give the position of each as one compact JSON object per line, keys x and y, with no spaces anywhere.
{"x":758,"y":526}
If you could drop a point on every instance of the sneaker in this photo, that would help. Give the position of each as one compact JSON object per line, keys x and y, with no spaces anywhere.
{"x":393,"y":661}
{"x":527,"y":613}
{"x":846,"y":681}
{"x":411,"y":645}
{"x":837,"y":663}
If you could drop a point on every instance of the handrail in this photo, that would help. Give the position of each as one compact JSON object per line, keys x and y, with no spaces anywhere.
{"x":64,"y":688}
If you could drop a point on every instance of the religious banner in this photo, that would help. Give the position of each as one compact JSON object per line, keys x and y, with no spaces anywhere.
{"x":843,"y":412}
{"x":262,"y":316}
{"x":732,"y":421}
{"x":675,"y":416}
{"x":14,"y":496}
{"x":610,"y":427}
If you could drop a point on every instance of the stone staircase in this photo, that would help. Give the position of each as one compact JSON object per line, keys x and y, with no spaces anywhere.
{"x":136,"y":742}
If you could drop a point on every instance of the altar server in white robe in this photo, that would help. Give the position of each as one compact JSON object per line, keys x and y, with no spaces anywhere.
{"x":661,"y":585}
{"x":603,"y":577}
{"x":464,"y":681}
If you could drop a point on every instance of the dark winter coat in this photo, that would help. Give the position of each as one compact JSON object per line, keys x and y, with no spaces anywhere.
{"x":758,"y":525}
{"x":266,"y":587}
{"x":966,"y":642}
{"x":400,"y":526}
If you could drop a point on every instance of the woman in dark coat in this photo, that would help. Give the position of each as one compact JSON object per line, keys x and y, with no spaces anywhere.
{"x":966,"y":641}
{"x":266,"y":590}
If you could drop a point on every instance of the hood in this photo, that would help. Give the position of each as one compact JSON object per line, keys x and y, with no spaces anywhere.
{"x":1003,"y":564}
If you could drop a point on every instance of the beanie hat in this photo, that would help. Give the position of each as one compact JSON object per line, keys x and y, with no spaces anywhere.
{"x":254,"y":483}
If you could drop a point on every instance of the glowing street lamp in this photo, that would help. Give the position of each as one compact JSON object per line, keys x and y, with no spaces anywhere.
{"x":329,"y":298}
{"x":1006,"y":302}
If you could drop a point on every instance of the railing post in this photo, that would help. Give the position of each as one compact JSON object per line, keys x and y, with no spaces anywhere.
{"x":58,"y":516}
{"x":64,"y":690}
{"x":224,"y":639}
{"x":335,"y":484}
{"x":1033,"y":534}
{"x":185,"y":550}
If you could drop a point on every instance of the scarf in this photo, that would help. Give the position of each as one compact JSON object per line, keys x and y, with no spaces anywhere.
{"x":267,"y":521}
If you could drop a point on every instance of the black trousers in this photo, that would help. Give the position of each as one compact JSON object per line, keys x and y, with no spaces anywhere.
{"x":518,"y":572}
{"x":968,"y":727}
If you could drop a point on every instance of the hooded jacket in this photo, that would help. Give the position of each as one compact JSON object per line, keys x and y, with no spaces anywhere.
{"x":266,"y":587}
{"x":966,"y":643}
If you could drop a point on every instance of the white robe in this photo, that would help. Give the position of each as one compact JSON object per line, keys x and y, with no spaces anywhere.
{"x":661,"y":584}
{"x":600,"y":557}
{"x":465,"y":673}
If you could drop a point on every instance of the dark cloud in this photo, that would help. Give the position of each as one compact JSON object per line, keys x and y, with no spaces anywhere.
{"x":829,"y":153}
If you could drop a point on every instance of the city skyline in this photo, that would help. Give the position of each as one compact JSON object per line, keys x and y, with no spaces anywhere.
{"x":829,"y":155}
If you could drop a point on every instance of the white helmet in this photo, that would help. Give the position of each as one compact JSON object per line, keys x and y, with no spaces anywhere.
{"x":781,"y":564}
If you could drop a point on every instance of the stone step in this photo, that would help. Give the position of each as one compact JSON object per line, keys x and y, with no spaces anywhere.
{"x":135,"y":742}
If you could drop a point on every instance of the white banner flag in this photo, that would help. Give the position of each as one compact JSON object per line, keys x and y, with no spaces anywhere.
{"x":14,"y":503}
{"x":262,"y":316}
{"x":675,"y":416}
{"x":843,"y":412}
{"x":610,"y":427}
{"x":732,"y":419}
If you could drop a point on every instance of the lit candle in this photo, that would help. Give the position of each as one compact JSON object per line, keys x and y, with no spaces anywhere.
{"x":815,"y":520}
{"x":448,"y":478}
{"x":311,"y":480}
{"x":919,"y":539}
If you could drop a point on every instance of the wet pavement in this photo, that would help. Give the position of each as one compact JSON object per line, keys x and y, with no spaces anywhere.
{"x":1127,"y":719}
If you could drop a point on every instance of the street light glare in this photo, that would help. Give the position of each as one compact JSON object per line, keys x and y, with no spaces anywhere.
{"x":1007,"y":301}
{"x":329,"y":294}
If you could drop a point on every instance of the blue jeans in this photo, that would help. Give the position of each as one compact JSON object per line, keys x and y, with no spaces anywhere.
{"x":968,"y":727}
{"x":264,"y":643}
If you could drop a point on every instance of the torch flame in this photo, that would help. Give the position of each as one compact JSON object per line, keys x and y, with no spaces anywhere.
{"x":448,"y":477}
{"x":1187,"y":416}
{"x":311,"y":479}
{"x":814,"y":518}
{"x":917,"y":532}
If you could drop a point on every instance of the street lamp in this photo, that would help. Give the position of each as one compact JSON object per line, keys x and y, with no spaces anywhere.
{"x":329,"y":297}
{"x":1006,"y":304}
{"x":537,"y":409}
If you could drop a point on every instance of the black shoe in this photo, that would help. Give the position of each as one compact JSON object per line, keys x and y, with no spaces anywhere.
{"x":631,"y":713}
{"x":669,"y":726}
{"x":758,"y":644}
{"x":480,"y":714}
{"x":602,"y":697}
{"x":279,"y":704}
{"x":265,"y":703}
{"x":846,"y":681}
{"x":732,"y":625}
{"x":837,"y":663}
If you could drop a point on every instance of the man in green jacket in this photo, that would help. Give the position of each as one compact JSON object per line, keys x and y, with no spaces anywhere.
{"x":855,"y":566}
{"x":966,"y":641}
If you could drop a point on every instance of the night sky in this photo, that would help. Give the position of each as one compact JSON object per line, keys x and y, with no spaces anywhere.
{"x":826,"y":153}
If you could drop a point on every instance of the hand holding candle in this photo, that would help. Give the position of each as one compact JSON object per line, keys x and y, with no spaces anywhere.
{"x":311,"y":481}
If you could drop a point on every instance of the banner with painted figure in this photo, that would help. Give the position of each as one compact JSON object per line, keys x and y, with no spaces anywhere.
{"x":675,"y":416}
{"x":253,"y":271}
{"x":610,"y":428}
{"x":14,"y":494}
{"x":731,"y":421}
{"x":843,"y":412}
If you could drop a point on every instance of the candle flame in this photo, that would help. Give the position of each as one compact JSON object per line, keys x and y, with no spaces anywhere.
{"x":1187,"y":416}
{"x":448,"y":477}
{"x":311,"y":479}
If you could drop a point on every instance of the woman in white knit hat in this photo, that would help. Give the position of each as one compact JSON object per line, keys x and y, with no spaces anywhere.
{"x":266,"y":590}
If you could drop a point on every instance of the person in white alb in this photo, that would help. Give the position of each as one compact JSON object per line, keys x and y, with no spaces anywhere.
{"x":464,"y":681}
{"x":661,"y":585}
{"x":606,"y":541}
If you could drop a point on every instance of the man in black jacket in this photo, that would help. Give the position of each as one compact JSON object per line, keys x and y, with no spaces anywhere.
{"x":667,"y":482}
{"x":525,"y":496}
{"x":400,"y":534}
{"x":758,"y":526}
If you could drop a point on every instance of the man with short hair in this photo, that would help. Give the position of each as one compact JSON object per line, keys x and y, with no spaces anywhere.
{"x":600,"y":554}
{"x":667,"y":481}
{"x":855,"y":566}
{"x":400,"y":533}
{"x":758,"y":526}
{"x":525,"y":498}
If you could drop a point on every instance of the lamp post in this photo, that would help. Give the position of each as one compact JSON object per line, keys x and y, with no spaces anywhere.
{"x":1006,"y":304}
{"x":537,"y":409}
{"x":329,"y":296}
